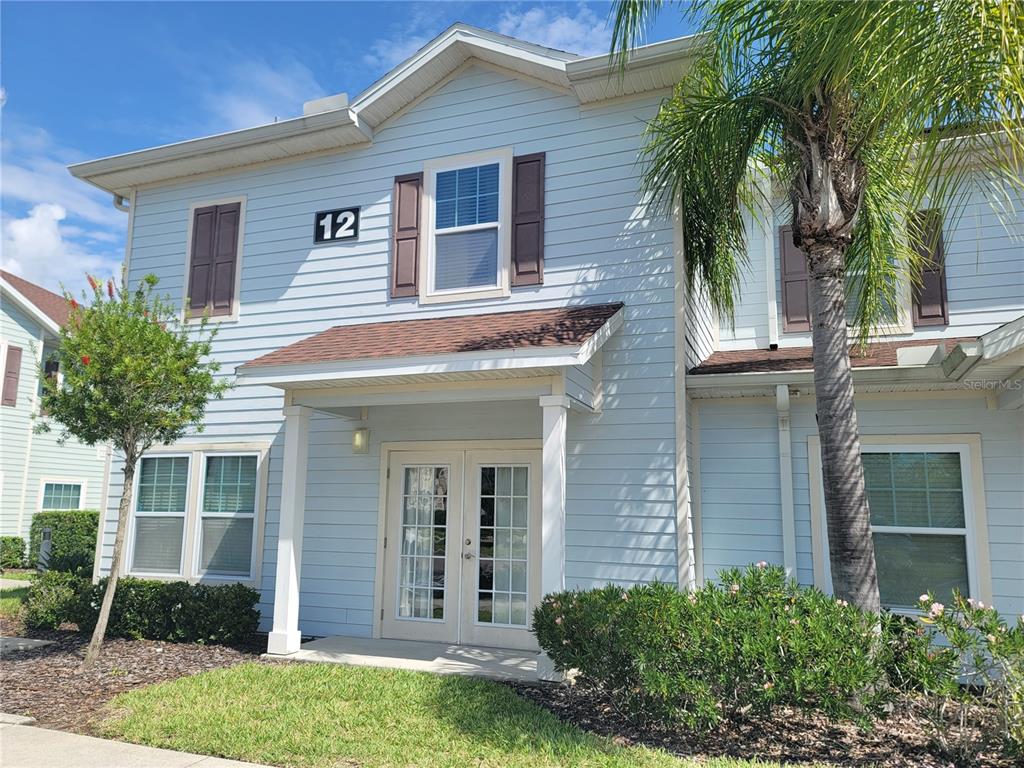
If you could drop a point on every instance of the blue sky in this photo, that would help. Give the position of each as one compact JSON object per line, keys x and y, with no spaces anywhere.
{"x":86,"y":80}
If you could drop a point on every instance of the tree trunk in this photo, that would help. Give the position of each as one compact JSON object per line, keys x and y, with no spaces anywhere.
{"x":851,"y":551}
{"x":96,"y":643}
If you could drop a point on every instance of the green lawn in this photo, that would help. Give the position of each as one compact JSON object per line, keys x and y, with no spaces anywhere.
{"x":332,"y":715}
{"x":18,"y":575}
{"x":11,"y":599}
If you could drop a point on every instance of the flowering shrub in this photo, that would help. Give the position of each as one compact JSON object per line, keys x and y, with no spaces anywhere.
{"x":985,"y":681}
{"x":739,"y":648}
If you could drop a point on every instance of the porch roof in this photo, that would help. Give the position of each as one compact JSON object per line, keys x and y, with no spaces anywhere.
{"x":497,"y":344}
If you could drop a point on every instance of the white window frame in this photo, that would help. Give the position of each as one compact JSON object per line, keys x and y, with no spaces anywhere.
{"x":975,"y":529}
{"x":197,"y":523}
{"x":130,"y":548}
{"x":236,"y":305}
{"x":47,"y":480}
{"x":431,"y":168}
{"x":190,"y":554}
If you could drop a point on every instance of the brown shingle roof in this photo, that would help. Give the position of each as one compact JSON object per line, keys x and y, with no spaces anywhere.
{"x":799,"y":358}
{"x":49,"y":303}
{"x":445,"y":335}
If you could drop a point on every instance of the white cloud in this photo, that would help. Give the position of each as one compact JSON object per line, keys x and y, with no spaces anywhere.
{"x":387,"y":53}
{"x":254,"y":92}
{"x":584,"y":33}
{"x":36,"y":248}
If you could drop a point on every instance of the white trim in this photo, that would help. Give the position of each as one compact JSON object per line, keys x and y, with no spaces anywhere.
{"x":686,"y":538}
{"x":695,"y":484}
{"x":431,"y":168}
{"x":129,"y":234}
{"x":59,"y":480}
{"x":187,"y":316}
{"x":26,"y":305}
{"x":786,"y":479}
{"x":975,"y":514}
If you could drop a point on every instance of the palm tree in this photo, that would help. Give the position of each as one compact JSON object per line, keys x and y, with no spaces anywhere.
{"x":863,"y":112}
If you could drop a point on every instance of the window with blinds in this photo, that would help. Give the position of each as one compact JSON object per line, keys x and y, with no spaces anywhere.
{"x":466,"y":228}
{"x":227,"y":515}
{"x":160,"y":508}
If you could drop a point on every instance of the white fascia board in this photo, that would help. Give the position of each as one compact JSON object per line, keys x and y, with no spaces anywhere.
{"x":589,"y":348}
{"x":1004,"y":340}
{"x":882,"y":374}
{"x":160,"y":160}
{"x":31,"y":309}
{"x":461,"y":362}
{"x":645,"y":55}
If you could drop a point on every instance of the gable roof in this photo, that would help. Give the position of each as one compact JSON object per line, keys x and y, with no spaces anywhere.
{"x":342,"y":126}
{"x":49,"y":307}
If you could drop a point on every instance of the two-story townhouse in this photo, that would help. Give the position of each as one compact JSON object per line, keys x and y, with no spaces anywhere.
{"x":461,"y":345}
{"x":37,"y":472}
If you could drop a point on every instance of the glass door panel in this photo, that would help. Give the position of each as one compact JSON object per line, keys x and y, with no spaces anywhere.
{"x":503,"y":561}
{"x":422,"y":569}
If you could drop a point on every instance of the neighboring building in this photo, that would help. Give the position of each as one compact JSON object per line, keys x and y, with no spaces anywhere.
{"x":35,"y":471}
{"x":468,"y":372}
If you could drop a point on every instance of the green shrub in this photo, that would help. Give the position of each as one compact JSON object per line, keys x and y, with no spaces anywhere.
{"x":72,"y":539}
{"x":740,"y":648}
{"x":53,"y":598}
{"x":12,"y":552}
{"x":175,"y":611}
{"x":987,"y":654}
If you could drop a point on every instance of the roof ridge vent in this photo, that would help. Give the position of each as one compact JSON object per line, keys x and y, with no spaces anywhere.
{"x":326,"y":104}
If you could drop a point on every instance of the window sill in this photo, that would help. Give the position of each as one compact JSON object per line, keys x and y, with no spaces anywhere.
{"x":468,"y":295}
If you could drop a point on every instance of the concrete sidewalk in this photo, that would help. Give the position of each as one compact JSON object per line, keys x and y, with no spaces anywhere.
{"x":24,"y":746}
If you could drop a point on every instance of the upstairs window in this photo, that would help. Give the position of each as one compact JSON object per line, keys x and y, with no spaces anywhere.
{"x":468,"y":240}
{"x":214,"y":259}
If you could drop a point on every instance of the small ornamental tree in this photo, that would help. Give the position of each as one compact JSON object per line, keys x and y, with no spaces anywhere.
{"x":134,"y":375}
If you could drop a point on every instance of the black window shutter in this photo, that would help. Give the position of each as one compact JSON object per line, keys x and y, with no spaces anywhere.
{"x":931,"y":304}
{"x":528,"y":219}
{"x":405,"y":236}
{"x":12,"y":376}
{"x":796,"y":312}
{"x":204,"y":228}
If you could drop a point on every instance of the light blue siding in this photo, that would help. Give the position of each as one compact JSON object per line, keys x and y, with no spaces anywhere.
{"x":599,"y":247}
{"x":28,"y":460}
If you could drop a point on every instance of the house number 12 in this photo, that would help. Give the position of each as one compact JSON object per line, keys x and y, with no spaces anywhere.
{"x":342,"y":224}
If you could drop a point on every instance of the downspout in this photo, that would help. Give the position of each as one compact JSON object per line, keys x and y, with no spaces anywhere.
{"x":786,"y":479}
{"x":120,"y":202}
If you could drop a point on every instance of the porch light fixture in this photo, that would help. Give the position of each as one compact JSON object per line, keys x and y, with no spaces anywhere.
{"x":361,"y":440}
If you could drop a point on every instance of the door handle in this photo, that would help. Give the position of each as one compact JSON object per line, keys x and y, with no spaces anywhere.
{"x":468,"y":555}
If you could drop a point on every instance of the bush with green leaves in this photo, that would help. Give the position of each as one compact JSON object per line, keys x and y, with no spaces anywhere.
{"x":980,"y":703}
{"x":12,"y":552}
{"x":72,"y":539}
{"x":738,"y":648}
{"x":175,"y":611}
{"x":54,"y":597}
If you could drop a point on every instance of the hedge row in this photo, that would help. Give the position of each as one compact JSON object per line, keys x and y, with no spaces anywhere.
{"x":72,"y":539}
{"x":12,"y":552}
{"x":174,"y":611}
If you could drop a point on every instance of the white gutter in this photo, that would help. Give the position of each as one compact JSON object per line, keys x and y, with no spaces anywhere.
{"x":786,"y":479}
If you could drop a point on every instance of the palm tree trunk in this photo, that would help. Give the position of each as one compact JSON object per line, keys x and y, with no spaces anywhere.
{"x":100,"y":631}
{"x":851,"y":551}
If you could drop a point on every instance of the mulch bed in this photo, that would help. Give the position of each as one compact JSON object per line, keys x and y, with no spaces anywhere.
{"x":789,"y":737}
{"x":47,"y":684}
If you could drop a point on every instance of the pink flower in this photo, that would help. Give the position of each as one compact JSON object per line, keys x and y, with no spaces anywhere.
{"x":769,"y":686}
{"x":936,"y":609}
{"x":734,"y":589}
{"x":843,"y":603}
{"x":85,"y":359}
{"x":923,"y":599}
{"x":558,"y":620}
{"x":762,"y":564}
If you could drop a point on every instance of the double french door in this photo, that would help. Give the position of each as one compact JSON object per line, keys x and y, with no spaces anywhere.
{"x":462,"y":547}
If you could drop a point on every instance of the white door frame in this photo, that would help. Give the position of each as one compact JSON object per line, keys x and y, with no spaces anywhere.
{"x":425,"y":446}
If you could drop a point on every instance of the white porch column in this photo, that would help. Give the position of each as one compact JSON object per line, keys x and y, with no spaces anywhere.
{"x":552,"y":566}
{"x":285,"y":636}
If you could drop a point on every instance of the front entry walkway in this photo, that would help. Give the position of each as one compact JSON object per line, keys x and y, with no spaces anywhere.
{"x":441,"y":658}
